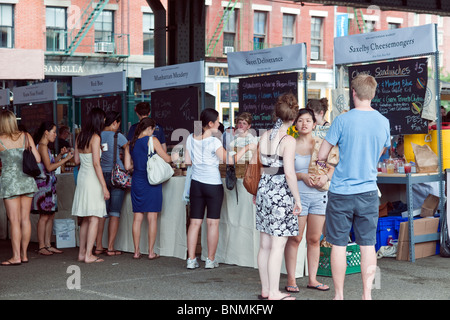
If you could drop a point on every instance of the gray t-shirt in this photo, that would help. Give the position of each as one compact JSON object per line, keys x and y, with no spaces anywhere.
{"x":107,"y":158}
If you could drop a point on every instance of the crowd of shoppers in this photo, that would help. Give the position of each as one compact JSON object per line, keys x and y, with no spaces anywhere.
{"x":289,"y":199}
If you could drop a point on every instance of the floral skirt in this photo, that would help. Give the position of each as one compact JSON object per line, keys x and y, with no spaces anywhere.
{"x":274,"y":207}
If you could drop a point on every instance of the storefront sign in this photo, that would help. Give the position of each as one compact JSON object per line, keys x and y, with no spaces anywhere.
{"x":99,"y":84}
{"x":35,"y":93}
{"x":292,"y":57}
{"x":4,"y":97}
{"x":383,"y":45}
{"x":341,"y":24}
{"x":173,"y":76}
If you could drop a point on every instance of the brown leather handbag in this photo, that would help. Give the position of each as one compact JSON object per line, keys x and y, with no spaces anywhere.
{"x":253,"y":175}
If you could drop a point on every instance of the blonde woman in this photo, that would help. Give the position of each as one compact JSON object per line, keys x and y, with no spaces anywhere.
{"x":16,"y":188}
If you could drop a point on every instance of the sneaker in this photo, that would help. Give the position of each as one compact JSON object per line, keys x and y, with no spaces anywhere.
{"x":192,"y":263}
{"x":211,"y":264}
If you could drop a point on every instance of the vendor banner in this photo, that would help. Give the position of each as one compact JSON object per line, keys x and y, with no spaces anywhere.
{"x":98,"y":84}
{"x":173,"y":76}
{"x":4,"y":97}
{"x":292,"y":57}
{"x":41,"y":92}
{"x":387,"y":44}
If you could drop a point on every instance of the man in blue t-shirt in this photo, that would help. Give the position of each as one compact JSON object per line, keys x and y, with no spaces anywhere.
{"x":362,"y":135}
{"x":142,"y":110}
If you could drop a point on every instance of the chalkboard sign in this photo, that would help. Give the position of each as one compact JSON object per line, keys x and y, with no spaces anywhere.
{"x":110,"y":103}
{"x":33,"y":115}
{"x":175,"y":109}
{"x":400,"y":93}
{"x":258,"y":95}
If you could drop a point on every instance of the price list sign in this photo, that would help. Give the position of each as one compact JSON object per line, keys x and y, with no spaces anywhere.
{"x":400,"y":94}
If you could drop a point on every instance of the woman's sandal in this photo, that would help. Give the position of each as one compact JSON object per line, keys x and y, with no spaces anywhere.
{"x":53,"y":250}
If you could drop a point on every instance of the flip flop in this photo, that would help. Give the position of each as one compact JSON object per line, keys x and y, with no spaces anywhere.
{"x":9,"y":263}
{"x":41,"y":251}
{"x":96,"y":260}
{"x":54,"y":250}
{"x":137,"y":257}
{"x":155,"y":257}
{"x":293,"y":289}
{"x":318,"y":287}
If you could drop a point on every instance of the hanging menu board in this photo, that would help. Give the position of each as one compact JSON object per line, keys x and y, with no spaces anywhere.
{"x":107,"y":104}
{"x":258,"y":95}
{"x":400,"y":93}
{"x":31,"y":116}
{"x":175,"y":109}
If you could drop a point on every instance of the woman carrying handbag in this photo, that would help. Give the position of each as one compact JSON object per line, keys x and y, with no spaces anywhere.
{"x":16,"y":188}
{"x":112,"y":141}
{"x":145,"y":198}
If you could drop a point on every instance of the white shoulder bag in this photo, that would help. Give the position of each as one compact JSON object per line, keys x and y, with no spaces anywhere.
{"x":158,"y":171}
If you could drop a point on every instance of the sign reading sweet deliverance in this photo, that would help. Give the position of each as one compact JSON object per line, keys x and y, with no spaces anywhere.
{"x":400,"y":94}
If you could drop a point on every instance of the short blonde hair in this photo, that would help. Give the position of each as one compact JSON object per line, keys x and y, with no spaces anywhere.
{"x":286,"y":107}
{"x":365,"y":86}
{"x":8,"y":123}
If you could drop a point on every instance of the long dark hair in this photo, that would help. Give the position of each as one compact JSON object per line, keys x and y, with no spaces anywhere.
{"x":95,"y":122}
{"x":45,"y":126}
{"x":143,"y":124}
{"x":111,"y":117}
{"x":208,"y":115}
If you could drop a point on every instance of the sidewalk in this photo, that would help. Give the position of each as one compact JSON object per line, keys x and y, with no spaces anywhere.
{"x":166,"y":278}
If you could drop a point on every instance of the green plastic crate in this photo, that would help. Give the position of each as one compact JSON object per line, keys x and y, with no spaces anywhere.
{"x":353,"y":260}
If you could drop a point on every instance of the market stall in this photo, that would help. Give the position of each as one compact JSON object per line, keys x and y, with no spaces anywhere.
{"x":399,"y":61}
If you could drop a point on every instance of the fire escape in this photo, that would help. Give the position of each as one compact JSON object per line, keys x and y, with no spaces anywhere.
{"x":66,"y":43}
{"x":220,"y":21}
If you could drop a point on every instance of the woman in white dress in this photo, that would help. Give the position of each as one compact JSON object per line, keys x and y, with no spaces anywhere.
{"x":91,"y":190}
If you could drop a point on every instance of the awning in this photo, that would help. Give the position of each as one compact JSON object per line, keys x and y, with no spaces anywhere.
{"x":21,"y":64}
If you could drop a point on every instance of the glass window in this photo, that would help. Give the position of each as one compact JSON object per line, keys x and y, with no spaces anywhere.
{"x":55,"y":20}
{"x":259,"y":30}
{"x":148,"y":26}
{"x":393,"y":25}
{"x":316,"y":38}
{"x":229,"y":30}
{"x":288,"y":29}
{"x":6,"y":26}
{"x":104,"y":27}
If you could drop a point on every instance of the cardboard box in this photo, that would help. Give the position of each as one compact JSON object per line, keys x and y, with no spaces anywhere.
{"x":429,"y":206}
{"x":421,"y":227}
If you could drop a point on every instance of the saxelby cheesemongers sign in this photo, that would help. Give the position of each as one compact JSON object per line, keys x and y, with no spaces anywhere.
{"x":292,"y":57}
{"x":383,"y":45}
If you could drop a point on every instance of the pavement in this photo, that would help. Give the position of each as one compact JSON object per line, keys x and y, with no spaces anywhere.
{"x":62,"y":277}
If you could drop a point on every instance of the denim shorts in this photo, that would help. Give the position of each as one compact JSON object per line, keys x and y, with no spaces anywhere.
{"x":359,"y":210}
{"x":313,"y":203}
{"x":114,"y":204}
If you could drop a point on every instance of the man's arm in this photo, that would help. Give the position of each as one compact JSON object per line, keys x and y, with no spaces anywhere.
{"x":324,"y":150}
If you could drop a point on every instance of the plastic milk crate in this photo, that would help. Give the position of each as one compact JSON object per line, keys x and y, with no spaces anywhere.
{"x":353,"y":260}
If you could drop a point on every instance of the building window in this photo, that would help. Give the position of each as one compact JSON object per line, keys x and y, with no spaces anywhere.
{"x":392,"y":25}
{"x":104,"y":32}
{"x":288,"y":29}
{"x":6,"y":26}
{"x":149,"y":34}
{"x":229,"y":32}
{"x":56,"y":33}
{"x":369,"y":26}
{"x":316,"y":38}
{"x":259,"y":30}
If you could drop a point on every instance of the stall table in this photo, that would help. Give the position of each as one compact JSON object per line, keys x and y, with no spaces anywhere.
{"x":238,"y":238}
{"x":409,"y":179}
